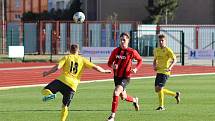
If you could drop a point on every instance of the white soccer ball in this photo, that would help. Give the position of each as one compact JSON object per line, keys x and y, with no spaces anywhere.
{"x":79,"y":17}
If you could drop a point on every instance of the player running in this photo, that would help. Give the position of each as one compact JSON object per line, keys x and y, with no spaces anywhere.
{"x":164,"y":60}
{"x":72,"y":67}
{"x":121,"y":63}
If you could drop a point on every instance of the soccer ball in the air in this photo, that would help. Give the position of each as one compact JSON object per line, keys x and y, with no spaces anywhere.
{"x":79,"y":17}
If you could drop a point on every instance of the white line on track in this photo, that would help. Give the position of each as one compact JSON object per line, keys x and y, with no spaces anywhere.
{"x":37,"y":85}
{"x":23,"y":68}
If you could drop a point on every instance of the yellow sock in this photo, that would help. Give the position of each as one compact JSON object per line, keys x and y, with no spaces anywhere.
{"x":64,"y":113}
{"x":161,"y":98}
{"x":46,"y":92}
{"x":168,"y":92}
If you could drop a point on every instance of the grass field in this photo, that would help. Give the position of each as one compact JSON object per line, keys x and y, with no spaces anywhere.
{"x":92,"y":102}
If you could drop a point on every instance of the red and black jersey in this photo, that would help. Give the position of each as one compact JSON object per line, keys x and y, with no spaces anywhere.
{"x":123,"y":58}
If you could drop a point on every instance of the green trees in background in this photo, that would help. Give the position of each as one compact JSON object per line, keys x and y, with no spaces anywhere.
{"x":53,"y":14}
{"x":160,"y":11}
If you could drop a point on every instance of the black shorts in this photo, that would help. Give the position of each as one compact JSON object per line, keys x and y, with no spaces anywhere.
{"x":161,"y":79}
{"x":58,"y":86}
{"x":123,"y":81}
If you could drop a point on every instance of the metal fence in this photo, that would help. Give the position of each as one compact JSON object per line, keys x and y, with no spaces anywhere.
{"x":144,"y":41}
{"x":55,"y":37}
{"x":196,"y":36}
{"x":47,"y":37}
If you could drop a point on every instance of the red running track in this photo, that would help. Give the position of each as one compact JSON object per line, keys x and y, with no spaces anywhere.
{"x":19,"y":74}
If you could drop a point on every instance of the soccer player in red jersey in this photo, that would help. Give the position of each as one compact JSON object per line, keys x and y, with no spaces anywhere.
{"x":121,"y":62}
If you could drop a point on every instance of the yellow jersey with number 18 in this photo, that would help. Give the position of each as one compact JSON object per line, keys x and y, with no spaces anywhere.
{"x":72,"y":67}
{"x":163,"y":57}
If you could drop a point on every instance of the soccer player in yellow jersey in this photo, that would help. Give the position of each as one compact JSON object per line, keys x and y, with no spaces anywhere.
{"x":72,"y":66}
{"x":164,"y":60}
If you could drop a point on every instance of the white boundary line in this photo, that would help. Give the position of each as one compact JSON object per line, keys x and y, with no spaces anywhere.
{"x":23,"y":68}
{"x":104,"y":80}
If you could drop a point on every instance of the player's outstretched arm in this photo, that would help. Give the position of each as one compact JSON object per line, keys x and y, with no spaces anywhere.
{"x":100,"y":69}
{"x":52,"y":70}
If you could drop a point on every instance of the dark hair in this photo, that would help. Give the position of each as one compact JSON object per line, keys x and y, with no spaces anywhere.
{"x":74,"y":47}
{"x":161,"y":36}
{"x":126,"y":34}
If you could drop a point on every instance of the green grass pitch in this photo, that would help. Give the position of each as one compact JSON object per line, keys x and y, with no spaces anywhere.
{"x":92,"y":102}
